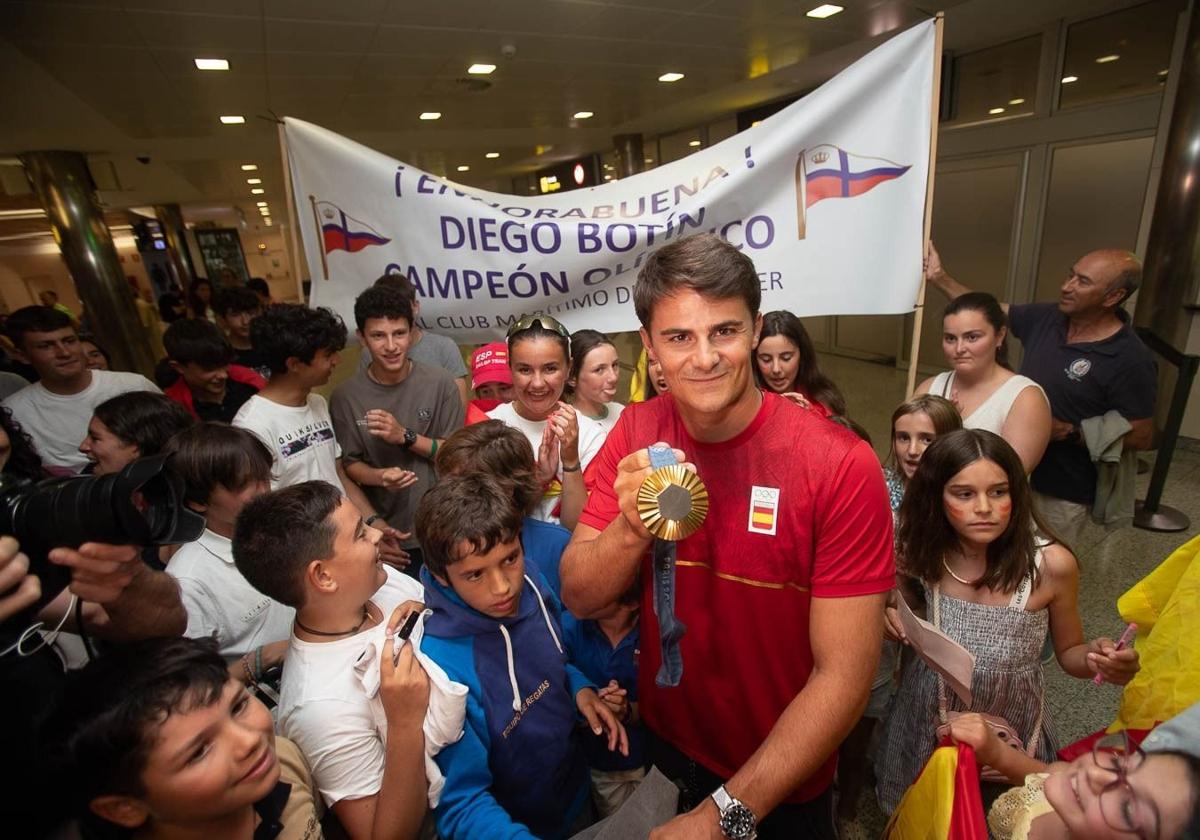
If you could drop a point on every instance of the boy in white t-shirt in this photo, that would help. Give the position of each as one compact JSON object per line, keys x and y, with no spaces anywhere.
{"x":55,"y":410}
{"x":301,"y":346}
{"x":223,"y":468}
{"x":355,"y":715}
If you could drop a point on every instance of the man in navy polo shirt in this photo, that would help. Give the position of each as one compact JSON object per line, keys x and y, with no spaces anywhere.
{"x":1084,"y":353}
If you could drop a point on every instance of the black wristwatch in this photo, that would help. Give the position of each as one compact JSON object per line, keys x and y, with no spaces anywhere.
{"x":737,"y":821}
{"x":410,"y":437}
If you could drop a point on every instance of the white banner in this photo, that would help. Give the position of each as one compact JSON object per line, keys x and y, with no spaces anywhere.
{"x":826,"y":196}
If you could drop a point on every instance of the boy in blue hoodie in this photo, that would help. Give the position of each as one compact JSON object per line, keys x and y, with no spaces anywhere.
{"x":518,"y":771}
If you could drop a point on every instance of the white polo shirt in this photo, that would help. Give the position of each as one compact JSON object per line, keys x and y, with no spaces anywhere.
{"x":222,"y":603}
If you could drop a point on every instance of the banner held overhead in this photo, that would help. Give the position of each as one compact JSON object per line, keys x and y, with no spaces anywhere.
{"x":827,"y":197}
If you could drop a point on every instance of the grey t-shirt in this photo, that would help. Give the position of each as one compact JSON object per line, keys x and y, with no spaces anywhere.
{"x":426,"y":401}
{"x":433,"y":349}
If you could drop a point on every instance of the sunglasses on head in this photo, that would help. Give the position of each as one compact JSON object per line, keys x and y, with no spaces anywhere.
{"x":544,"y":321}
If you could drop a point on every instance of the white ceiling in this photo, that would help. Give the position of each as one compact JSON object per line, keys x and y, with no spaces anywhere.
{"x":116,"y":79}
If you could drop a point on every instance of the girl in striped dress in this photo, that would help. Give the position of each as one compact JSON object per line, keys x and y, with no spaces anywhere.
{"x":969,"y":535}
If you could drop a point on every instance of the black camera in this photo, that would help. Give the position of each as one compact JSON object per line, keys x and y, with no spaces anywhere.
{"x":141,"y":505}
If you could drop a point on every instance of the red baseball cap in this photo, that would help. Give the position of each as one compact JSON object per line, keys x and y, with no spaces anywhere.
{"x":490,"y":364}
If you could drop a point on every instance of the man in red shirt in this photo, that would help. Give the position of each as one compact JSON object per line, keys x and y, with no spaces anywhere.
{"x":782,"y":589}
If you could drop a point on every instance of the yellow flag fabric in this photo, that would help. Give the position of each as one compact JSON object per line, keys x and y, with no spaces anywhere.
{"x":925,"y":811}
{"x":1166,"y":606}
{"x":637,"y":384}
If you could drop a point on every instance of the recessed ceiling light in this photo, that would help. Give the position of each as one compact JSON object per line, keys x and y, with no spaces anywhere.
{"x":995,"y":110}
{"x":254,"y":180}
{"x":607,"y":177}
{"x":262,"y":203}
{"x":233,"y":119}
{"x":431,"y":115}
{"x":1066,"y":80}
{"x":823,"y":11}
{"x":648,"y":160}
{"x":670,"y":77}
{"x":463,"y":168}
{"x":1108,"y":59}
{"x":693,"y":142}
{"x":269,"y":222}
{"x":1017,"y":101}
{"x":257,"y":191}
{"x":481,"y":69}
{"x":1163,"y":72}
{"x":492,"y":155}
{"x":249,"y":167}
{"x":266,"y":211}
{"x":212,"y":64}
{"x":584,"y":115}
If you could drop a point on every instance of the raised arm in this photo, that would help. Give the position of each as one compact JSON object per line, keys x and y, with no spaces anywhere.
{"x":936,"y":276}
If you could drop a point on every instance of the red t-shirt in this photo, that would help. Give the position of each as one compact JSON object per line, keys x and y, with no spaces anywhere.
{"x":797,"y":510}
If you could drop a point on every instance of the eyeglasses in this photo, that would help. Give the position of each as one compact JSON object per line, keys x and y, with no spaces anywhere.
{"x":1123,"y":810}
{"x":543,"y":321}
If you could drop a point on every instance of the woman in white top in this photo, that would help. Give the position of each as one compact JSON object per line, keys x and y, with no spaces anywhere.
{"x":987,"y":394}
{"x":539,"y":355}
{"x":592,"y":384}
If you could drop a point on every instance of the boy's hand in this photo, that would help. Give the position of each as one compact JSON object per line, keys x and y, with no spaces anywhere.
{"x":600,"y":719}
{"x":971,"y":729}
{"x":390,"y":551}
{"x":403,"y":683}
{"x":1116,"y":666}
{"x":616,"y":698}
{"x":395,"y":479}
{"x":382,"y":424}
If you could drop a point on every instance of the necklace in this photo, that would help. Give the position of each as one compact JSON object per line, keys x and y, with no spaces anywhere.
{"x":366,"y":615}
{"x":946,"y":566}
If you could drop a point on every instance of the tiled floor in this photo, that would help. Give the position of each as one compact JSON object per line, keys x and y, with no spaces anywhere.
{"x":1110,"y":562}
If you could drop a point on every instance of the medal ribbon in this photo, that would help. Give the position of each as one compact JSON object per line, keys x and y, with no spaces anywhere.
{"x":670,"y":628}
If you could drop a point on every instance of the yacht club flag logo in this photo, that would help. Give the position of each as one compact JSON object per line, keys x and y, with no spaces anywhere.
{"x":480,"y":260}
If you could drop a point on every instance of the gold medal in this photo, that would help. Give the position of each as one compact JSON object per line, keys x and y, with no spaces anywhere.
{"x":672,"y":502}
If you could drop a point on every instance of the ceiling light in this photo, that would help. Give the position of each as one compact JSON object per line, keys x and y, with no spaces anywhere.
{"x":1163,"y":72}
{"x":492,"y":155}
{"x":262,"y":203}
{"x":1066,"y":80}
{"x":670,"y":77}
{"x":1107,"y":59}
{"x":269,"y":222}
{"x":234,"y":119}
{"x":254,"y":180}
{"x":584,"y":115}
{"x":648,"y":160}
{"x":463,"y":168}
{"x":212,"y":64}
{"x":481,"y":69}
{"x":607,"y":177}
{"x":823,"y":11}
{"x":1017,"y":101}
{"x":266,"y":211}
{"x":257,"y":191}
{"x":996,"y":111}
{"x":249,"y":167}
{"x":431,"y":115}
{"x":693,"y":143}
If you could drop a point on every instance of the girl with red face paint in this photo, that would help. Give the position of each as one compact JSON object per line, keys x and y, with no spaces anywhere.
{"x":996,"y":581}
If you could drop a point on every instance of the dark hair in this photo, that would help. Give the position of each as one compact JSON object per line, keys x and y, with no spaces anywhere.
{"x":496,"y":449}
{"x":259,"y":286}
{"x":992,"y":312}
{"x":143,"y":418}
{"x":940,"y":411}
{"x":167,"y":302}
{"x":211,"y":455}
{"x":809,"y":379}
{"x":704,"y":263}
{"x":287,"y":330}
{"x":582,"y":343}
{"x":99,"y":735}
{"x":538,"y":330}
{"x":197,"y":307}
{"x":399,"y":283}
{"x":475,"y":509}
{"x":236,"y":300}
{"x":278,"y":534}
{"x":88,"y":338}
{"x":197,"y":340}
{"x":926,"y":536}
{"x":381,"y":302}
{"x":29,"y":319}
{"x":23,"y":459}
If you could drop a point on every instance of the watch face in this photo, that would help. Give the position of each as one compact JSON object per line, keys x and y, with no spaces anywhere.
{"x":737,"y":822}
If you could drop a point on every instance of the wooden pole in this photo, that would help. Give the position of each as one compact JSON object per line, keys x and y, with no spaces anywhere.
{"x":296,"y":256}
{"x":919,"y":313}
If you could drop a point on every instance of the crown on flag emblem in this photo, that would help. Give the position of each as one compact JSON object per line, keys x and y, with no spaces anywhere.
{"x":820,"y":157}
